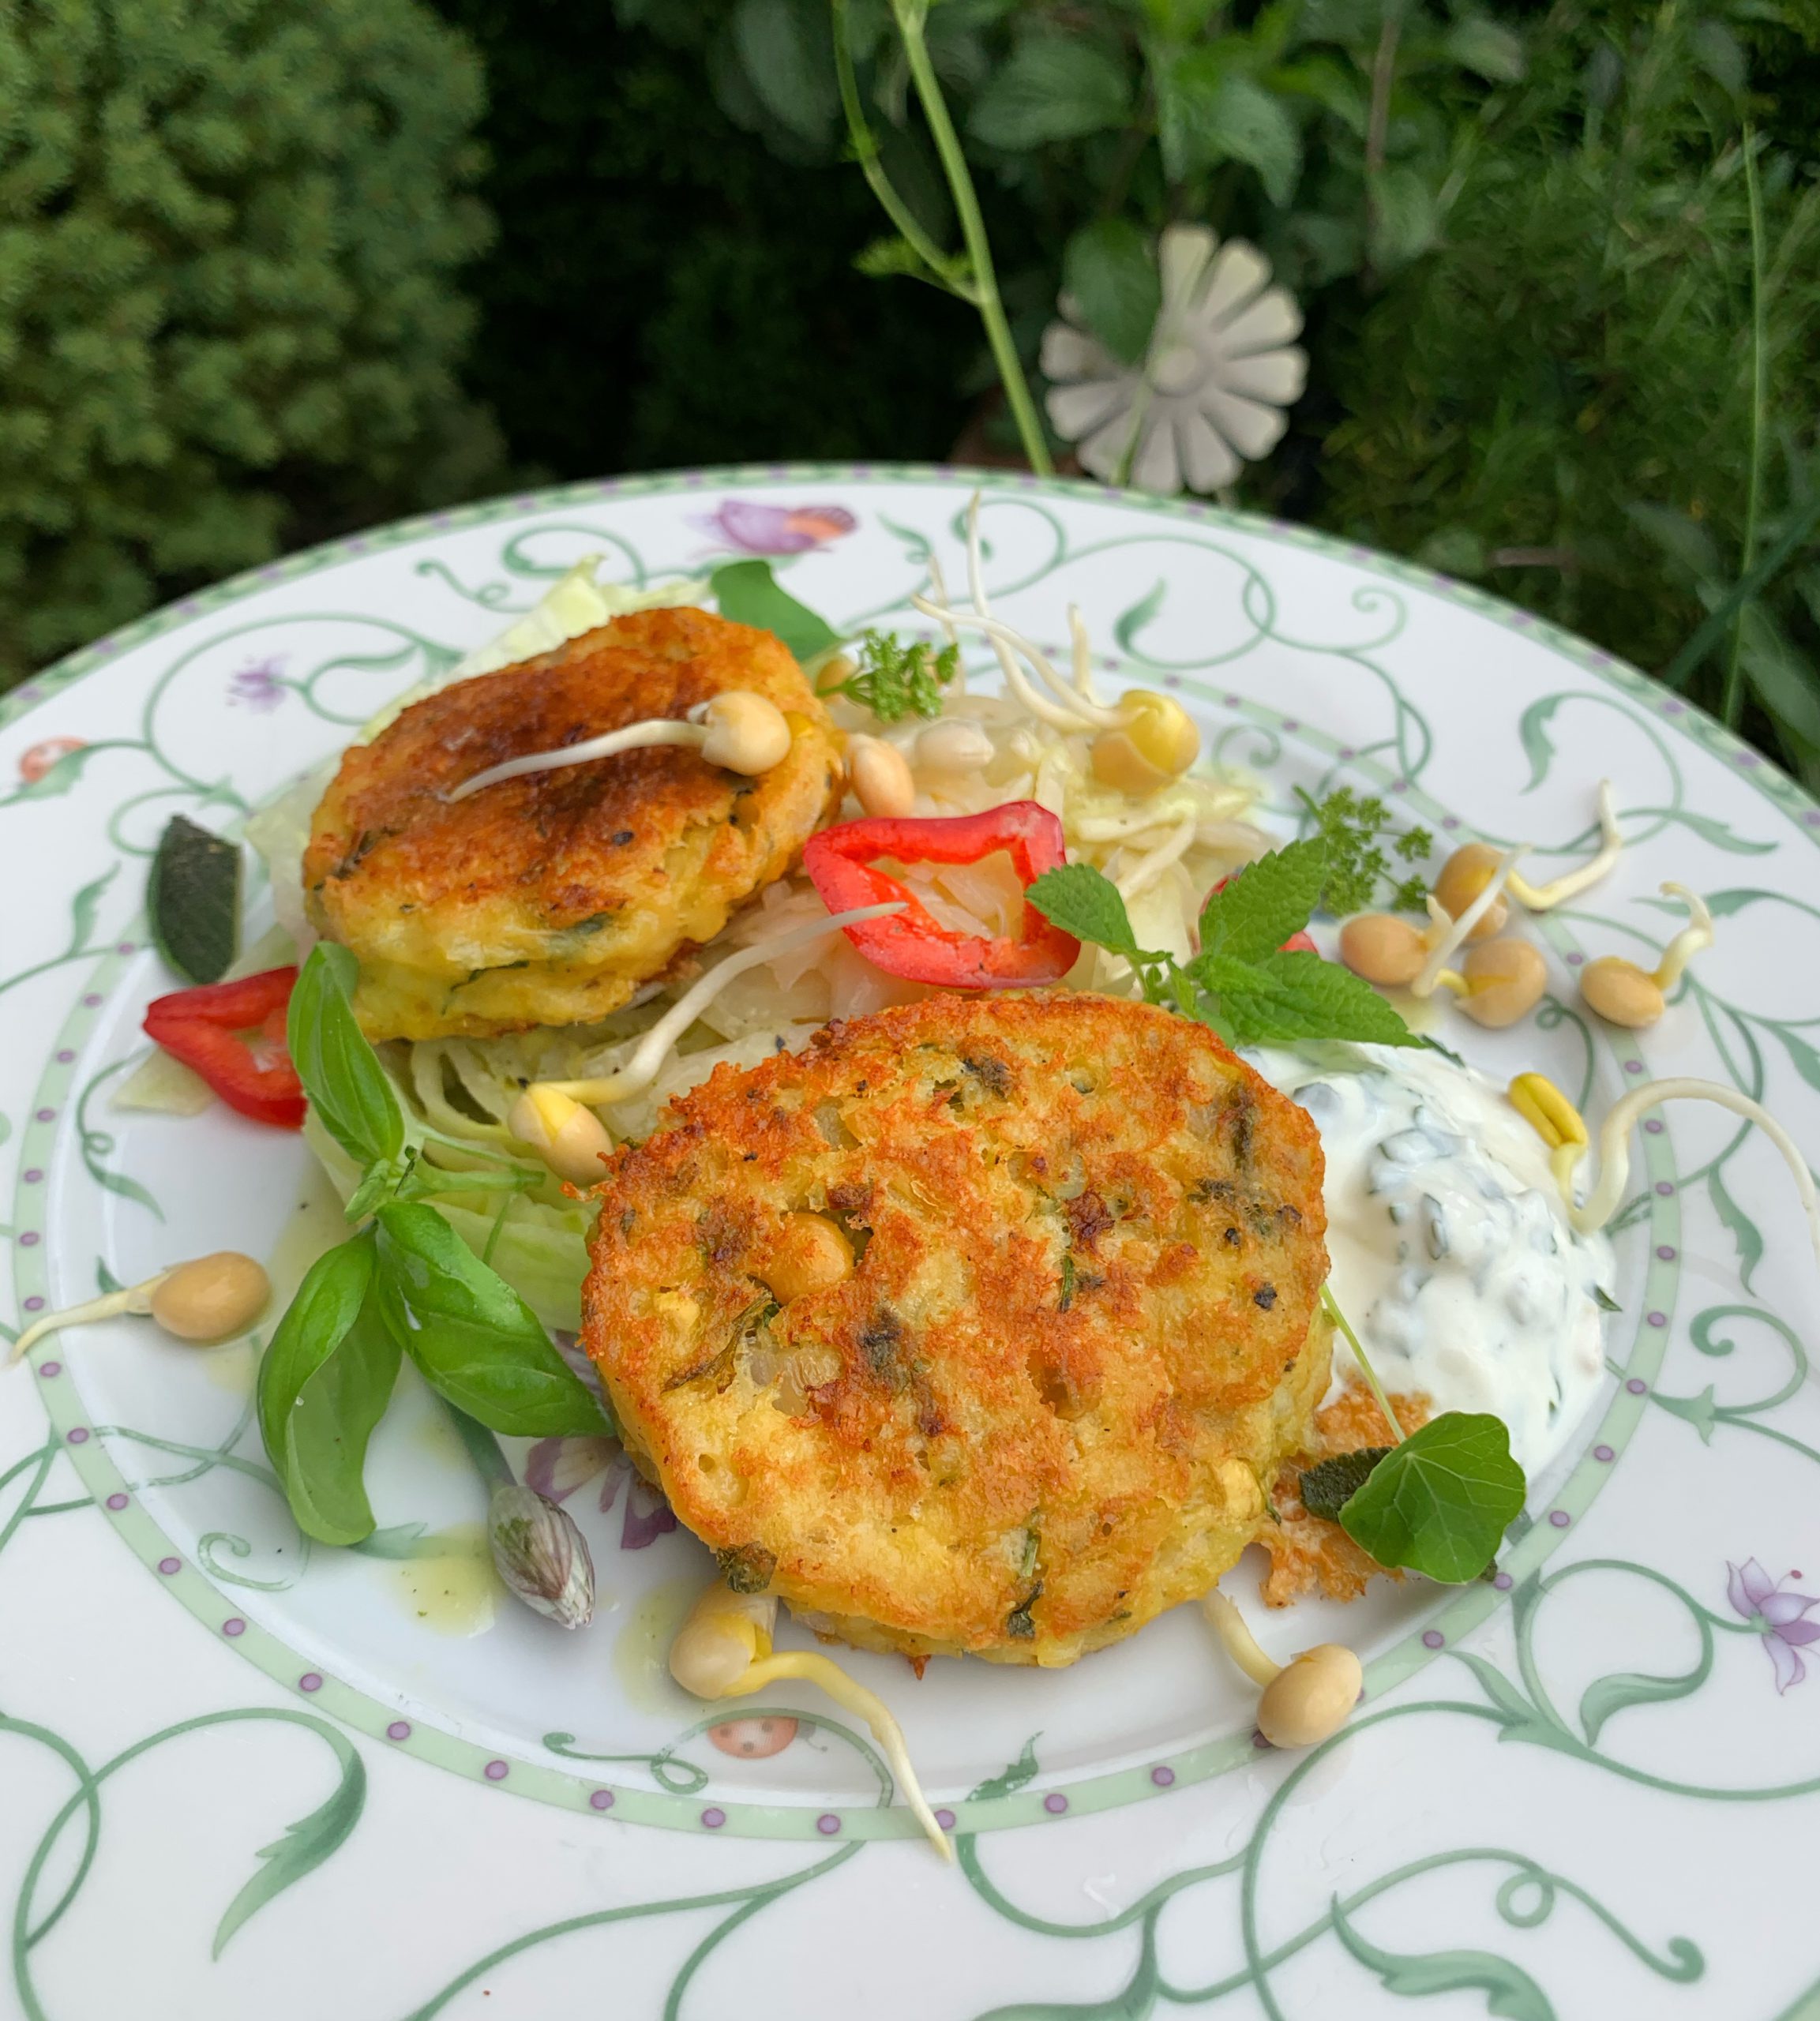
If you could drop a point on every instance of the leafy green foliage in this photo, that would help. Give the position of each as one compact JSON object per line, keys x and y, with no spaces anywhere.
{"x":896,"y":680}
{"x":1564,"y":401}
{"x":192,"y":901}
{"x":350,"y":1092}
{"x":228,"y":230}
{"x":1329,"y":1485}
{"x":1243,"y":983}
{"x":324,"y":1384}
{"x":405,"y":1283}
{"x":748,"y":593}
{"x":1354,"y":829}
{"x":1440,"y":1503}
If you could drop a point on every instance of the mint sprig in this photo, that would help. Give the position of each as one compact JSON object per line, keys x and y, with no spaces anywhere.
{"x":1243,"y":983}
{"x":405,"y":1285}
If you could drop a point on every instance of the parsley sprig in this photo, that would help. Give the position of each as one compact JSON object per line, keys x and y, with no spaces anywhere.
{"x":1243,"y":984}
{"x":1354,"y":830}
{"x":896,"y":680}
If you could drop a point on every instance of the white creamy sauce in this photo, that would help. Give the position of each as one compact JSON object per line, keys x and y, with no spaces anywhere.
{"x":1452,"y":1254}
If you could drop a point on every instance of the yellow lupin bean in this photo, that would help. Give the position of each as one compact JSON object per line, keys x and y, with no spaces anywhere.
{"x":212,"y":1299}
{"x":1157,"y":742}
{"x":723,"y":1651}
{"x":204,"y":1302}
{"x":1622,"y":993}
{"x":880,"y":777}
{"x":1304,"y":1701}
{"x":1463,"y":876}
{"x":1498,"y":982}
{"x":1383,"y":949}
{"x":570,"y":1139}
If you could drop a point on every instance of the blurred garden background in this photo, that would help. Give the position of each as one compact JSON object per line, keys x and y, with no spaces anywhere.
{"x":271,"y":270}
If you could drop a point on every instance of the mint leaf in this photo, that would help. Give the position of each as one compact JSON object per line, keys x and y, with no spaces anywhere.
{"x":1327,"y":1487}
{"x":1265,"y":903}
{"x":1440,"y":1502}
{"x":1308,"y":998}
{"x":1086,"y":902}
{"x":1225,"y":974}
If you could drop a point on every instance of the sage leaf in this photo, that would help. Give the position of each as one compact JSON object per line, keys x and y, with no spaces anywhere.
{"x":1327,"y":1487}
{"x":1440,"y":1503}
{"x":474,"y":1340}
{"x":350,"y":1093}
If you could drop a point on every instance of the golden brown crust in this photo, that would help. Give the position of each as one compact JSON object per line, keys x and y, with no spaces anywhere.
{"x":1089,"y":1247}
{"x":549,"y":899}
{"x":1309,"y":1554}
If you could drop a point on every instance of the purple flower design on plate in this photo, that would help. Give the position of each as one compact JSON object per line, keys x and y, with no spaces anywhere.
{"x":557,"y":1467}
{"x":753,"y":529}
{"x":1776,"y":1616}
{"x":259,"y":685}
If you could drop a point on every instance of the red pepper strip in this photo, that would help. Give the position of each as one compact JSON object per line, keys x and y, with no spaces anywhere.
{"x":1297,"y":943}
{"x":208,"y":1030}
{"x":840,"y":861}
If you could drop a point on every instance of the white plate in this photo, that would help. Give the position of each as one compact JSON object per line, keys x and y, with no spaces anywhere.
{"x":238,"y":1778}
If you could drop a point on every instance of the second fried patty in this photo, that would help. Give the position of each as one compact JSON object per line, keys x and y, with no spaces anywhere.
{"x":548,"y":899}
{"x":1086,"y":1245}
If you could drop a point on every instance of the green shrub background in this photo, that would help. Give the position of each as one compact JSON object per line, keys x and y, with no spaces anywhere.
{"x":249,"y":295}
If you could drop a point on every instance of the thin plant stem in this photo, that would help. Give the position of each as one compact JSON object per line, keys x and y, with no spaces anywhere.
{"x":1732,"y":706}
{"x":909,"y":15}
{"x":947,"y":271}
{"x":481,"y":1446}
{"x":1686,"y":661}
{"x":1332,"y":1306}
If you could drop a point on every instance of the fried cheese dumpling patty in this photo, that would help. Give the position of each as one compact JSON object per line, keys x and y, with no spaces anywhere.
{"x":975,"y":1328}
{"x":549,"y":899}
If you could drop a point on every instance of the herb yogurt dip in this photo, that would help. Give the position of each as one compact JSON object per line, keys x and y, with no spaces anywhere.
{"x":1450,"y":1248}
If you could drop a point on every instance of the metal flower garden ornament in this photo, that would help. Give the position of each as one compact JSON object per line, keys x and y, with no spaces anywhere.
{"x":1208,"y":395}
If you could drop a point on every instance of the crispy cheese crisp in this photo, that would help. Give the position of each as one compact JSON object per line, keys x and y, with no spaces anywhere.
{"x":549,"y":899}
{"x":976,"y":1328}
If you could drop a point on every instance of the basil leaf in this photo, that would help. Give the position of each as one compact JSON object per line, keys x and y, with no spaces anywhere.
{"x":1328,"y":1486}
{"x":1265,"y":903}
{"x":476,"y":1340}
{"x":1086,"y":902}
{"x":1440,"y":1502}
{"x":748,"y":593}
{"x":1308,"y":998}
{"x":324,"y":1384}
{"x":348,"y":1089}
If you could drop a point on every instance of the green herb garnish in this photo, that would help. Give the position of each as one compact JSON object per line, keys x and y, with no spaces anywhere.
{"x":1353,"y":831}
{"x":1440,"y":1502}
{"x":894,"y":680}
{"x":1242,"y":984}
{"x":1327,"y":1487}
{"x":405,"y":1285}
{"x":192,"y":901}
{"x":748,"y":593}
